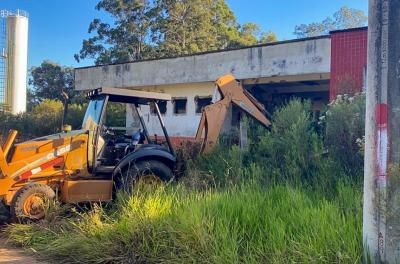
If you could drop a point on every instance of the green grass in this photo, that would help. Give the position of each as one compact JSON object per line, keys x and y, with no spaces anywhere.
{"x":246,"y":224}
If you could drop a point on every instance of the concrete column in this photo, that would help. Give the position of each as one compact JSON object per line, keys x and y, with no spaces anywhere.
{"x":244,"y":139}
{"x":132,"y":119}
{"x":381,"y":228}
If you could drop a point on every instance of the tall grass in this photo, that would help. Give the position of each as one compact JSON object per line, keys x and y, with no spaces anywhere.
{"x":245,"y":224}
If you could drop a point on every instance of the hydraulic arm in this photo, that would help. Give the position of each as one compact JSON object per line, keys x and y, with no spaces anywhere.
{"x":212,"y":120}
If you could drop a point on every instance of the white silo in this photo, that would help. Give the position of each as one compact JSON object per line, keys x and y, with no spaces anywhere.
{"x":17,"y":61}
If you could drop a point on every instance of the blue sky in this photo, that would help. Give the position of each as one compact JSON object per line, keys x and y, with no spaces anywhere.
{"x":57,"y":27}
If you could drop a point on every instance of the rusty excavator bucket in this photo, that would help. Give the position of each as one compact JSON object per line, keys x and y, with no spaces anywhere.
{"x":213,"y":117}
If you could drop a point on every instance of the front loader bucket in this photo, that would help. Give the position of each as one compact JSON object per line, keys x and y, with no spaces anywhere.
{"x":3,"y":164}
{"x":4,"y":150}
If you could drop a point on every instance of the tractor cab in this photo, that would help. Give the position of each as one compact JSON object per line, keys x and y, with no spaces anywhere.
{"x":110,"y":145}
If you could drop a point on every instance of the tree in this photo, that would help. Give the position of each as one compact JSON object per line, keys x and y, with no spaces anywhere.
{"x":146,"y":29}
{"x":268,"y":37}
{"x":251,"y":34}
{"x":248,"y":34}
{"x":190,"y":26}
{"x":342,"y":19}
{"x":50,"y":80}
{"x":130,"y":39}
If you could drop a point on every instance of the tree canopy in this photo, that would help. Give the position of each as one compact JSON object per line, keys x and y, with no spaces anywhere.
{"x":344,"y":18}
{"x":49,"y":81}
{"x":145,"y":29}
{"x":189,"y":26}
{"x":130,"y":38}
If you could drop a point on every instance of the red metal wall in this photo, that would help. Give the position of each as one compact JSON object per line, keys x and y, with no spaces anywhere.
{"x":348,"y":61}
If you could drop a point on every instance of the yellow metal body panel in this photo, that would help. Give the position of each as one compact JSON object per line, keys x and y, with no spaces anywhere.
{"x":87,"y":191}
{"x":51,"y":159}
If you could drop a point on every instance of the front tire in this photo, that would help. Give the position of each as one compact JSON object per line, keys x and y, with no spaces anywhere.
{"x":148,"y":173}
{"x":29,"y":203}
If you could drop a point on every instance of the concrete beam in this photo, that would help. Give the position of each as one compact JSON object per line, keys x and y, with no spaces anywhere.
{"x":303,"y":89}
{"x":289,"y":78}
{"x":290,"y":58}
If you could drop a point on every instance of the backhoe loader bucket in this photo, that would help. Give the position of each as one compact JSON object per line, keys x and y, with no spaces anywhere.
{"x":232,"y":92}
{"x":4,"y":150}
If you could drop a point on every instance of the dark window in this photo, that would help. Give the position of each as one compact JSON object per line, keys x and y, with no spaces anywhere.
{"x":162,"y":105}
{"x":202,"y":102}
{"x":180,"y":105}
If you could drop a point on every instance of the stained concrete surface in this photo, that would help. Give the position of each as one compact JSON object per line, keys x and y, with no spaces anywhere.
{"x":288,"y":58}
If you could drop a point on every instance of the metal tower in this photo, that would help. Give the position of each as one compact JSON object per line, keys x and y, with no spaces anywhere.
{"x":3,"y":56}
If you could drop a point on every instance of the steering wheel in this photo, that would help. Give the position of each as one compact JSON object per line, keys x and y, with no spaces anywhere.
{"x":108,"y":131}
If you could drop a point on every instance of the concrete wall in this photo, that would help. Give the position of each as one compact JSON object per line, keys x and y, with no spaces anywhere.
{"x":178,"y":125}
{"x":300,"y":57}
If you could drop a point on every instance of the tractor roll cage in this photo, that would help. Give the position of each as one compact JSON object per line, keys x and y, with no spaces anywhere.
{"x":135,"y":97}
{"x":129,"y":96}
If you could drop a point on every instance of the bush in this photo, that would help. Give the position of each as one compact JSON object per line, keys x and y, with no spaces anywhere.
{"x":75,"y":115}
{"x":344,"y":124}
{"x":292,"y":150}
{"x":44,"y":119}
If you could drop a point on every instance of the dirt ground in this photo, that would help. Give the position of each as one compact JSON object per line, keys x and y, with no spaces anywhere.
{"x":9,"y":254}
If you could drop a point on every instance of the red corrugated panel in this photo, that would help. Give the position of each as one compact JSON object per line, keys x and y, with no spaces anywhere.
{"x":348,"y":61}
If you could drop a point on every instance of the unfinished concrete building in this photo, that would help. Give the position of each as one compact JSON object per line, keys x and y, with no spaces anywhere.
{"x":316,"y":68}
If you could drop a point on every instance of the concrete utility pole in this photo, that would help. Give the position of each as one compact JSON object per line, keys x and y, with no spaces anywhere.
{"x":381,"y":224}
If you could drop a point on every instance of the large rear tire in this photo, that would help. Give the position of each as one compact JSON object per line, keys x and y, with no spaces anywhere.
{"x":29,"y":203}
{"x":147,"y":172}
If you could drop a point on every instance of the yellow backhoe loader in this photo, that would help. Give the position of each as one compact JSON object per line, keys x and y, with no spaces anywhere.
{"x":84,"y":165}
{"x":90,"y":164}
